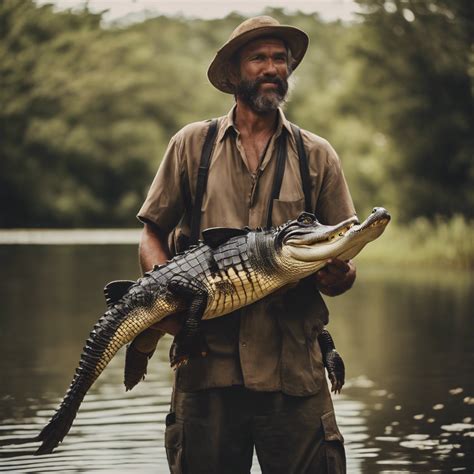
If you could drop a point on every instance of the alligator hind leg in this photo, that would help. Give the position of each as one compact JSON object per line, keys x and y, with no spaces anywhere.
{"x":189,"y":342}
{"x":332,"y":361}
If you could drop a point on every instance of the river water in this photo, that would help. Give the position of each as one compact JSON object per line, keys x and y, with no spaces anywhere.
{"x":406,"y":336}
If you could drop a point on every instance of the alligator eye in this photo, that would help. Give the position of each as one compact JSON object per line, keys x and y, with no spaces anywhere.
{"x":306,"y":219}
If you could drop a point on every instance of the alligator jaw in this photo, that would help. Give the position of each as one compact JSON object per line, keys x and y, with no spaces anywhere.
{"x":319,"y":233}
{"x":345,"y":244}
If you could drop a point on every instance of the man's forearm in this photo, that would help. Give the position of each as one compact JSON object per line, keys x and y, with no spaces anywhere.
{"x":153,"y":248}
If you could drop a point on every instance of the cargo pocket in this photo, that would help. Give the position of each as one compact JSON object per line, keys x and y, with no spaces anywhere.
{"x":174,"y":444}
{"x":333,"y":445}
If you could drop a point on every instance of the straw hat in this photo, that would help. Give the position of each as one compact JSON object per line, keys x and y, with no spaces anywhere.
{"x":251,"y":29}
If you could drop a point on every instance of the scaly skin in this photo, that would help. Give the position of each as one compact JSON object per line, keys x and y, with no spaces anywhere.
{"x":228,"y":275}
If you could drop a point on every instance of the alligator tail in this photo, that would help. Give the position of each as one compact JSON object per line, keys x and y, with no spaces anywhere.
{"x":111,"y":332}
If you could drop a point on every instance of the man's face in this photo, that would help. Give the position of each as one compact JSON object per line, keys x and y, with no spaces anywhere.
{"x":264,"y":72}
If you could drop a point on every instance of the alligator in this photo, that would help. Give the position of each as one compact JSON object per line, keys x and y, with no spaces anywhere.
{"x":228,"y":269}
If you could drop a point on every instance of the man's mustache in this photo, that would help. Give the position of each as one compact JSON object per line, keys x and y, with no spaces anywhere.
{"x":270,"y":80}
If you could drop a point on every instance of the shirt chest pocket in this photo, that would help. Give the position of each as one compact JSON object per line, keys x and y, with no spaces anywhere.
{"x":286,"y":210}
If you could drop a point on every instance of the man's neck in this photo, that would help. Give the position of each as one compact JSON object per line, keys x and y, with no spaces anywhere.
{"x":250,"y":123}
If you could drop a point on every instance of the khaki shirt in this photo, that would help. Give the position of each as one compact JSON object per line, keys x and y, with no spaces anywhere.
{"x":272,"y":344}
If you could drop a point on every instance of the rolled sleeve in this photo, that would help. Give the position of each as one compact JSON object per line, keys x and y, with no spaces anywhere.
{"x":164,"y":204}
{"x":335,"y":202}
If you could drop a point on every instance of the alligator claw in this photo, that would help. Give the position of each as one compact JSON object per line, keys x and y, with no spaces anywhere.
{"x":177,"y":363}
{"x":184,"y":348}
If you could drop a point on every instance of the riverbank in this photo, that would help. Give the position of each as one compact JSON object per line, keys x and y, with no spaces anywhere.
{"x":442,"y":243}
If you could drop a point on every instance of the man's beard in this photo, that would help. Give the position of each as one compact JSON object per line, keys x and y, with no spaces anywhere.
{"x":262,"y":102}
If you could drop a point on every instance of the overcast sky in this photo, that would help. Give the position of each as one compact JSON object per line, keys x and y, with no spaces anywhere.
{"x":328,"y":9}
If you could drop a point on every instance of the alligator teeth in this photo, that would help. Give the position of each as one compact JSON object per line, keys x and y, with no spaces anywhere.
{"x":376,"y":223}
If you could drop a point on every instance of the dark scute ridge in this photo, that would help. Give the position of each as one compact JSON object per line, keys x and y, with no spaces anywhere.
{"x":216,"y":236}
{"x":115,"y":290}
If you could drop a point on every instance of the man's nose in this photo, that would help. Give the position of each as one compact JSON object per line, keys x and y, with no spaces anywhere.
{"x":270,"y":68}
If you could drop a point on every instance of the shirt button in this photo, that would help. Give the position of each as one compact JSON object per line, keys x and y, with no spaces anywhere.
{"x":244,"y":344}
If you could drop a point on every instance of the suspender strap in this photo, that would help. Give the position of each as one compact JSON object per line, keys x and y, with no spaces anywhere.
{"x":277,"y":179}
{"x":304,"y":168}
{"x":279,"y":172}
{"x":202,"y":181}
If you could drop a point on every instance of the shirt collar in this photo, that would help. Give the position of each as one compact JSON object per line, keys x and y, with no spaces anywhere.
{"x":228,"y":124}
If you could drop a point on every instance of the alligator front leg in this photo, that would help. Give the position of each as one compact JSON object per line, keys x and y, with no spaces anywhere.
{"x":189,"y":342}
{"x":136,"y":360}
{"x":332,"y":361}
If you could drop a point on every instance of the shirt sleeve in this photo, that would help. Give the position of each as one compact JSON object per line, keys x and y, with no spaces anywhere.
{"x":164,"y":204}
{"x":334,"y":202}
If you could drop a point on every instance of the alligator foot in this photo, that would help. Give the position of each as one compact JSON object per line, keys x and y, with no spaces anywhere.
{"x":189,"y":342}
{"x":136,"y":363}
{"x":185,"y":347}
{"x":336,"y":370}
{"x":332,"y":361}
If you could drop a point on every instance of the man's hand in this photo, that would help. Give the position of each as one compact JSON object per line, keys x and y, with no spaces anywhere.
{"x":336,"y":277}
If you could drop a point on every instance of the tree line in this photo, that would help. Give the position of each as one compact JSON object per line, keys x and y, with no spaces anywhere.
{"x":86,"y":111}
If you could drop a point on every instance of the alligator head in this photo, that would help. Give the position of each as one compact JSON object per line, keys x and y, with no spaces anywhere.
{"x":306,"y":244}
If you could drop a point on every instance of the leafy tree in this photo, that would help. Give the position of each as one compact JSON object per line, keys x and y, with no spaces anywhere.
{"x":86,"y":111}
{"x":415,"y":86}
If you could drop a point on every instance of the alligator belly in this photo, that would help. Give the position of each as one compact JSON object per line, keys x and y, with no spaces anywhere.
{"x":137,"y":321}
{"x":235,"y":290}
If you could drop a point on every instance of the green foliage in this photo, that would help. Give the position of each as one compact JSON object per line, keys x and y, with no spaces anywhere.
{"x":440,"y":243}
{"x":86,"y":111}
{"x":415,"y":86}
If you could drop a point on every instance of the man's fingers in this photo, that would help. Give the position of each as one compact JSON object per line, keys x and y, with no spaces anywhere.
{"x":330,"y":275}
{"x":337,"y":266}
{"x":336,"y":278}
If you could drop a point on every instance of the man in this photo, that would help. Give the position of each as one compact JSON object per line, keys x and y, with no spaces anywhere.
{"x":262,"y":383}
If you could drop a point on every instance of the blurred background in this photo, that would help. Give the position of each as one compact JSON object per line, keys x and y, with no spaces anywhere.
{"x":90,"y":94}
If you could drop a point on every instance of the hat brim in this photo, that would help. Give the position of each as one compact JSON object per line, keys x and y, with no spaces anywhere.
{"x":296,"y":40}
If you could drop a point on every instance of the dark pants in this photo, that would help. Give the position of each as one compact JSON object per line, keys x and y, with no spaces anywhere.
{"x":215,"y":430}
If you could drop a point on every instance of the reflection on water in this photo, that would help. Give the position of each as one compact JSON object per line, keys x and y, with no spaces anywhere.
{"x":406,"y":339}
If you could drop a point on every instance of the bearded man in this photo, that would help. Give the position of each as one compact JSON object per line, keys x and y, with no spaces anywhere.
{"x":262,"y":384}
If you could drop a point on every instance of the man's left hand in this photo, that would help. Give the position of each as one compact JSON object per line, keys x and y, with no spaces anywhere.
{"x":336,"y":277}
